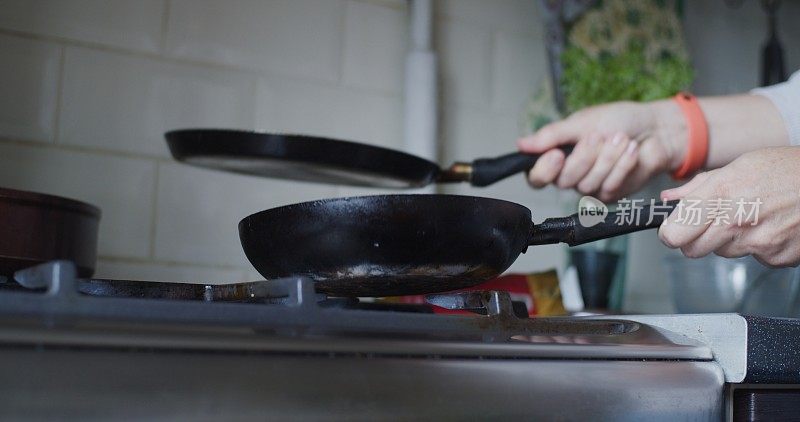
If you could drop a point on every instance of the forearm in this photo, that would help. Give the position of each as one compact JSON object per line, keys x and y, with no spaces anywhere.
{"x":736,"y":124}
{"x":739,"y":124}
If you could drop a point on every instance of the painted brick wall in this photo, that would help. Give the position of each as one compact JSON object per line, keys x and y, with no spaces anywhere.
{"x":87,"y":87}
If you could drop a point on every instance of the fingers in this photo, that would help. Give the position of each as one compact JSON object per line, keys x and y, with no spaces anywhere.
{"x":612,"y":186}
{"x":786,"y":258}
{"x":678,"y":233}
{"x":687,"y":223}
{"x":578,"y":164}
{"x":733,"y":249}
{"x":550,"y":164}
{"x":565,"y":131}
{"x":680,"y":229}
{"x":713,"y":239}
{"x":547,"y":168}
{"x":683,"y":190}
{"x":611,"y":151}
{"x":595,"y":163}
{"x":650,"y":160}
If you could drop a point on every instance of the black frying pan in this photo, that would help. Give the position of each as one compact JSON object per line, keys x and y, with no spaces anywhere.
{"x":323,"y":160}
{"x":390,"y":245}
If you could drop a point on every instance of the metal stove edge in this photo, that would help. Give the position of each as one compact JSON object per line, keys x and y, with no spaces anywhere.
{"x":750,"y":349}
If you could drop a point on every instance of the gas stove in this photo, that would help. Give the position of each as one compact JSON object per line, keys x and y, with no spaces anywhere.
{"x":109,"y":349}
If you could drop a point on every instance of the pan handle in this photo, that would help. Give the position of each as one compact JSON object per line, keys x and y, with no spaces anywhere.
{"x":486,"y":171}
{"x":569,"y":230}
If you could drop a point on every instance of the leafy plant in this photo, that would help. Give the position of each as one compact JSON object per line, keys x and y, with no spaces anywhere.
{"x":588,"y":81}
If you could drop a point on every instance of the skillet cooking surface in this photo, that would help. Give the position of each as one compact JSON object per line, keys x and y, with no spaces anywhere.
{"x":388,"y":245}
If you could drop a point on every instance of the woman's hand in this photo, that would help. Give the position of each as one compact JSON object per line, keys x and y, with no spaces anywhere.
{"x":767,"y":177}
{"x":619,"y":147}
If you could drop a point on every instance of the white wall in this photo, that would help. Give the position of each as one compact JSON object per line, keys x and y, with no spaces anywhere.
{"x":725,"y":43}
{"x":87,"y":87}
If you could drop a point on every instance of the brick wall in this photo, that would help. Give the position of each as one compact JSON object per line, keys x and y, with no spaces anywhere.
{"x":87,"y":88}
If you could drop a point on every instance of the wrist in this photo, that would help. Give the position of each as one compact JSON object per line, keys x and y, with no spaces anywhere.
{"x":671,"y":130}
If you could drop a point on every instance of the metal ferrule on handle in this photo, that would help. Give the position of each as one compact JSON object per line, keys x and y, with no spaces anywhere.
{"x":486,"y":171}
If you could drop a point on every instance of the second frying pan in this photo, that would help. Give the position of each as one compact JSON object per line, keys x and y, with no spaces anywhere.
{"x":324,"y":160}
{"x":389,"y":245}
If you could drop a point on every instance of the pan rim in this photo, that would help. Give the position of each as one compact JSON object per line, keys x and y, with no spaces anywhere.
{"x":325,"y":201}
{"x":187,"y":145}
{"x":170,"y":134}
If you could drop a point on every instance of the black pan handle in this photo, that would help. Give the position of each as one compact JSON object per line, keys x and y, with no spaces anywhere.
{"x":569,"y":230}
{"x":486,"y":171}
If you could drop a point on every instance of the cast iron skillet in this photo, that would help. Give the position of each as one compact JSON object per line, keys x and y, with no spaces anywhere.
{"x":323,"y":160}
{"x":389,"y":245}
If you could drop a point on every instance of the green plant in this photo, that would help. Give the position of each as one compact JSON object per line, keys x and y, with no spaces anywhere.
{"x":588,"y":81}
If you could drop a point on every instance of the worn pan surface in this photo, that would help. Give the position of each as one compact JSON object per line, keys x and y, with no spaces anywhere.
{"x":389,"y":245}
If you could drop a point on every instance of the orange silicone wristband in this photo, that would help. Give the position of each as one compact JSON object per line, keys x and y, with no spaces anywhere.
{"x":697,"y":148}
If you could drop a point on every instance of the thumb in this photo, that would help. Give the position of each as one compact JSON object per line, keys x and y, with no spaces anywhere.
{"x":683,"y":190}
{"x":557,"y":133}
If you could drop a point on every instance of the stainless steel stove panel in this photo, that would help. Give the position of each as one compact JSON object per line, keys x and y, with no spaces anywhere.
{"x":280,"y":355}
{"x":62,"y":383}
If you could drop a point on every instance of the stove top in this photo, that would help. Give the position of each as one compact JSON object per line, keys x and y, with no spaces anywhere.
{"x":288,"y":315}
{"x":277,"y":348}
{"x":291,"y":313}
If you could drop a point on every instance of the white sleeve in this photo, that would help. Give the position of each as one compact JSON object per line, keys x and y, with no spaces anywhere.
{"x":786,"y":97}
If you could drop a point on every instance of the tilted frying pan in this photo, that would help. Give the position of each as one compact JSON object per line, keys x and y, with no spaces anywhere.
{"x":323,"y":160}
{"x":388,"y":245}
